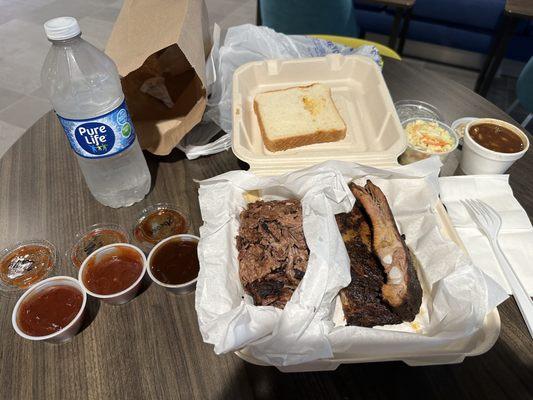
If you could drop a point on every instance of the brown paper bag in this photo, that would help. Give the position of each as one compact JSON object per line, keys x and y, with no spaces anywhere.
{"x":160,"y":46}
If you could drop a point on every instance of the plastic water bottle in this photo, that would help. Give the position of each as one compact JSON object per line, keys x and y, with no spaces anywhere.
{"x":84,"y":87}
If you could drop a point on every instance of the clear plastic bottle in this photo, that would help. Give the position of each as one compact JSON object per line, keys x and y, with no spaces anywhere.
{"x":84,"y":87}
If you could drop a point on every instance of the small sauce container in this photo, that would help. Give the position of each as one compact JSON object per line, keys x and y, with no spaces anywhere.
{"x":159,"y":222}
{"x":417,"y":151}
{"x":173,"y":263}
{"x":477,"y":159}
{"x":94,"y":237}
{"x":25,"y":264}
{"x":51,"y":310}
{"x":113,"y":273}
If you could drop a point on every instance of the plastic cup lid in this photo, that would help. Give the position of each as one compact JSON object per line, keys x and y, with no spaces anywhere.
{"x":158,"y":222}
{"x":92,"y":238}
{"x":409,"y":109}
{"x":25,"y":264}
{"x":62,"y":28}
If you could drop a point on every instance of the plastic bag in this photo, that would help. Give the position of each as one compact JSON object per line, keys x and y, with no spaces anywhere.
{"x":247,"y":43}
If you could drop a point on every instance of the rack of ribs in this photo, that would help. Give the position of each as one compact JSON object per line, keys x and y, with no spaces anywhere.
{"x":361,"y":300}
{"x":402,"y":290}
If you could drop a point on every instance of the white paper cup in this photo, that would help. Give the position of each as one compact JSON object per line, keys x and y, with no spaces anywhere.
{"x":64,"y":334}
{"x":477,"y":159}
{"x":182,"y":288}
{"x":125,"y":295}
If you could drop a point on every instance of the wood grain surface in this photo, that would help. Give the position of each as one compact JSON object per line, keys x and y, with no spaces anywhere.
{"x":519,"y":8}
{"x":151,"y":348}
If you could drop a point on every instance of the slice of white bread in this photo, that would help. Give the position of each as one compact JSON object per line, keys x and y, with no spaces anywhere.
{"x":298,"y":116}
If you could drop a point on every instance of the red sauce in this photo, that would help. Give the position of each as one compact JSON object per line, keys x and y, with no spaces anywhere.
{"x":26,"y":265}
{"x":176,"y":262}
{"x":114,"y":272}
{"x":496,"y":138}
{"x":49,"y":310}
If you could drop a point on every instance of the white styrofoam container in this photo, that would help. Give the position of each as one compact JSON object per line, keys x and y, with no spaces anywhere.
{"x":480,"y":342}
{"x":374,"y":134}
{"x":374,"y":137}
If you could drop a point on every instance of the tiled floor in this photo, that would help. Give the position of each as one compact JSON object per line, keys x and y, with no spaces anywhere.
{"x":23,"y":47}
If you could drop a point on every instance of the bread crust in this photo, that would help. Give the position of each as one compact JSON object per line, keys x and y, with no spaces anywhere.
{"x":283,"y":144}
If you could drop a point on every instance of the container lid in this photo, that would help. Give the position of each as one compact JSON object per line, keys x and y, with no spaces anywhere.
{"x":409,"y":109}
{"x":62,"y":28}
{"x":24,"y":264}
{"x":374,"y":134}
{"x":459,"y":125}
{"x":157,"y":222}
{"x":92,"y":238}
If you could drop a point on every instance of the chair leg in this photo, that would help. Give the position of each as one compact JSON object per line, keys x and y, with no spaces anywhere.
{"x":258,"y":19}
{"x":512,"y":106}
{"x":526,"y":121}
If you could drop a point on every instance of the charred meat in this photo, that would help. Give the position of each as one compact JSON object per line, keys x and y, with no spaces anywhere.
{"x":273,"y":253}
{"x":361,"y":300}
{"x":402,"y":290}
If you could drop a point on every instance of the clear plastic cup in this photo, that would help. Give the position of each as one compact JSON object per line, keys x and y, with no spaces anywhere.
{"x":111,"y":250}
{"x":477,"y":159}
{"x":413,"y":153}
{"x":64,"y":334}
{"x":25,"y":264}
{"x":182,"y":288}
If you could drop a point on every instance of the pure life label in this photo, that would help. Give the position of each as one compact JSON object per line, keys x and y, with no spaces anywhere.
{"x":103,"y":136}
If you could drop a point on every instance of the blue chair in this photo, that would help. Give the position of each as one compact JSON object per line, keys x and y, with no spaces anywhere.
{"x":524,"y":92}
{"x":301,"y":17}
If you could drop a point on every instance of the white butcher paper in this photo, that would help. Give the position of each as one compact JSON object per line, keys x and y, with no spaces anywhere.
{"x":457,"y":295}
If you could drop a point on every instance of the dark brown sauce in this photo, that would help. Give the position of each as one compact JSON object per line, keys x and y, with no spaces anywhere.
{"x":113,"y":273}
{"x":26,"y":265}
{"x":496,"y":138}
{"x":176,"y":262}
{"x":159,"y":225}
{"x":49,"y":310}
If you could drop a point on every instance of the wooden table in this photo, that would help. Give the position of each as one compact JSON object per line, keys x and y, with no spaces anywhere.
{"x":151,"y":348}
{"x":514,"y":11}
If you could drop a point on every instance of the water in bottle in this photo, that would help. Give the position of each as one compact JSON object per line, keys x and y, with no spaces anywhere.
{"x":84,"y":87}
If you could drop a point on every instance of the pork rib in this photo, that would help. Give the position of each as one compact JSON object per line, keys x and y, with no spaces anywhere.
{"x":402,"y":291}
{"x":361,"y":300}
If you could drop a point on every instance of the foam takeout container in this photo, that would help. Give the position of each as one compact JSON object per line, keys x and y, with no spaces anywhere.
{"x":374,"y":134}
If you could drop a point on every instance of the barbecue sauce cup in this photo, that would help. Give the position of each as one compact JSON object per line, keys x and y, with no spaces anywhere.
{"x":113,"y":273}
{"x":173,"y":263}
{"x":51,"y":310}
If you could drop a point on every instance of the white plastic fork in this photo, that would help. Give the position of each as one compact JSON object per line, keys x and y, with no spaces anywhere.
{"x":489,"y":222}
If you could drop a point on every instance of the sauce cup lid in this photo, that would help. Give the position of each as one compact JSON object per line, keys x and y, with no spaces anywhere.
{"x":94,"y":237}
{"x":52,"y":281}
{"x":158,"y":222}
{"x":25,"y":264}
{"x":107,"y":249}
{"x":442,"y":125}
{"x":185,"y":237}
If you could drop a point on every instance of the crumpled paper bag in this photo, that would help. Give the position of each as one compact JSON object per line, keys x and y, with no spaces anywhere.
{"x":456,"y":297}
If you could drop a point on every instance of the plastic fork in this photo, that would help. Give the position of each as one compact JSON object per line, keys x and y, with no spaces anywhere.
{"x":489,"y":222}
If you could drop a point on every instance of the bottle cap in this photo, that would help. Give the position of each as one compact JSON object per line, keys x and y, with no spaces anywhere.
{"x":62,"y":28}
